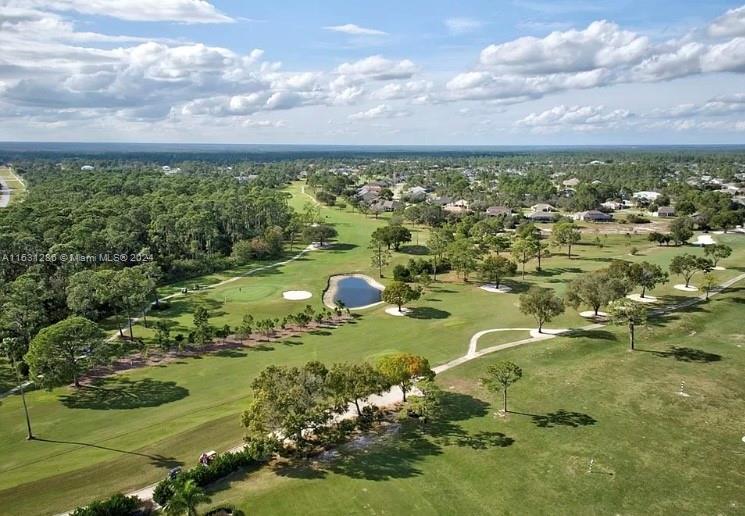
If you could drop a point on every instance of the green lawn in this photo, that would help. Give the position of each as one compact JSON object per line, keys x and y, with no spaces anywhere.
{"x":582,"y":401}
{"x":129,"y":431}
{"x":17,"y":187}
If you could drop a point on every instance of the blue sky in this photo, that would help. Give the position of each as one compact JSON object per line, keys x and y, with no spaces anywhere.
{"x":414,"y":72}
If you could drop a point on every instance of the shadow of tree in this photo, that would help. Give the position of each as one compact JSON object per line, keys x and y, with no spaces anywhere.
{"x":684,"y":354}
{"x":159,"y":461}
{"x":560,"y":418}
{"x":427,"y":312}
{"x":229,"y":353}
{"x":592,"y":334}
{"x":123,"y":393}
{"x":418,"y":250}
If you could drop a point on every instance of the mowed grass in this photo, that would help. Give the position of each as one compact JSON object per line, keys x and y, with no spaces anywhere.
{"x":593,"y":429}
{"x":132,"y":429}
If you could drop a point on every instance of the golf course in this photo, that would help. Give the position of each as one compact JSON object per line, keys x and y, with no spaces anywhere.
{"x":592,"y":427}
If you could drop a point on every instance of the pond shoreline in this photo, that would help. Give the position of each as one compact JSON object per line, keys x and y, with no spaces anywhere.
{"x":333,"y":286}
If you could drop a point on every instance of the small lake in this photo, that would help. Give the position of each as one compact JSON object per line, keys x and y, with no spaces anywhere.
{"x":355,"y":292}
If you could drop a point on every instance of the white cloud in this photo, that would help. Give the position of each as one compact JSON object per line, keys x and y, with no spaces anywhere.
{"x":355,"y":30}
{"x":577,"y":118}
{"x":185,"y":11}
{"x":403,"y":90}
{"x":731,"y":23}
{"x":379,"y":68}
{"x":463,"y":25}
{"x":380,"y":111}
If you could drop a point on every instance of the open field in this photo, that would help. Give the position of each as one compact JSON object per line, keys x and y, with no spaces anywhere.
{"x":131,"y":429}
{"x":593,"y":429}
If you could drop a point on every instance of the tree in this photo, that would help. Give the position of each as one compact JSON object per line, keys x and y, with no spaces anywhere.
{"x":10,"y":347}
{"x":246,"y":326}
{"x":22,"y":310}
{"x":542,"y":304}
{"x":717,"y":252}
{"x":392,"y":236}
{"x":399,"y":293}
{"x":380,"y":256}
{"x":202,"y":329}
{"x":320,"y":233}
{"x":687,"y":265}
{"x":500,"y":376}
{"x":566,"y":233}
{"x":403,"y":369}
{"x":186,"y":497}
{"x":681,"y":230}
{"x":354,"y":383}
{"x":594,"y":290}
{"x":64,"y":351}
{"x":428,"y":405}
{"x":438,"y":244}
{"x":709,"y":283}
{"x":133,"y":288}
{"x":523,"y":250}
{"x":463,"y":255}
{"x":162,"y":335}
{"x":288,"y":402}
{"x":646,"y":275}
{"x":494,"y":268}
{"x":628,"y":312}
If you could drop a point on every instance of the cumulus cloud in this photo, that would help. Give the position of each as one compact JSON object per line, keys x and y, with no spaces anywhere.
{"x":731,"y":23}
{"x":380,"y":111}
{"x":185,"y":11}
{"x":578,"y":118}
{"x":355,"y":30}
{"x":379,"y":68}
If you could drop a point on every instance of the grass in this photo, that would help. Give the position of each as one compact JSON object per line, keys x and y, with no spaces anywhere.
{"x":128,"y":431}
{"x":581,"y":401}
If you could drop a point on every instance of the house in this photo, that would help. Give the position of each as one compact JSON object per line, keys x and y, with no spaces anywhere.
{"x":571,"y":183}
{"x":543,"y":208}
{"x":665,"y":211}
{"x":459,"y":206}
{"x":369,"y":197}
{"x":440,"y":201}
{"x":612,"y":205}
{"x":390,"y":205}
{"x":593,"y":216}
{"x":543,"y":216}
{"x":496,"y":211}
{"x":86,"y":167}
{"x":648,"y":196}
{"x":417,"y":193}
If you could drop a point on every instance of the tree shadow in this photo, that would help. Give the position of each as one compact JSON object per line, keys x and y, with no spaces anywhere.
{"x":158,"y":460}
{"x":427,"y":312}
{"x":229,"y":353}
{"x":417,"y":250}
{"x":335,"y":247}
{"x":592,"y":334}
{"x":321,"y":333}
{"x":123,"y":393}
{"x":560,"y":418}
{"x":684,"y":354}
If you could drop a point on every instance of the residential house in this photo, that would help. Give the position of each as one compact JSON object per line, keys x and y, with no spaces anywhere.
{"x":543,"y":208}
{"x":593,"y":216}
{"x":665,"y":211}
{"x":571,"y":183}
{"x":543,"y":216}
{"x":496,"y":211}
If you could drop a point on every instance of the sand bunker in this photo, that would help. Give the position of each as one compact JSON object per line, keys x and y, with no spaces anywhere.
{"x":393,"y":310}
{"x":502,"y":289}
{"x":590,"y":314}
{"x":296,"y":295}
{"x":704,"y":240}
{"x":689,"y":288}
{"x":639,"y":299}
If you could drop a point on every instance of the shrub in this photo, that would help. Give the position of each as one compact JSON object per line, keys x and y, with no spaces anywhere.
{"x":401,"y":273}
{"x":117,"y":505}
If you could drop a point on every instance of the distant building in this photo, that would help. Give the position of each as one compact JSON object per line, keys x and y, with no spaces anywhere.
{"x":593,"y":216}
{"x":571,"y":183}
{"x":612,"y":205}
{"x":665,"y":211}
{"x":543,"y":208}
{"x":496,"y":211}
{"x":543,"y":216}
{"x":87,"y":167}
{"x":417,"y":193}
{"x":646,"y":196}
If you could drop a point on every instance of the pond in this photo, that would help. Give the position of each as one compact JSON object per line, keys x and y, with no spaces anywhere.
{"x":355,"y":292}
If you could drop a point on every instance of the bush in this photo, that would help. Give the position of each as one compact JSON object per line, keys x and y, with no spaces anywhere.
{"x":223,"y":465}
{"x":401,"y":273}
{"x":117,"y":505}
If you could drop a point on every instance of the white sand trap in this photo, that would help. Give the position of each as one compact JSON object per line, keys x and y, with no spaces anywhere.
{"x":639,"y":299}
{"x":590,"y":314}
{"x":501,"y":289}
{"x":719,"y":268}
{"x":689,"y":288}
{"x":393,"y":310}
{"x":704,"y":240}
{"x":296,"y":295}
{"x":547,"y":332}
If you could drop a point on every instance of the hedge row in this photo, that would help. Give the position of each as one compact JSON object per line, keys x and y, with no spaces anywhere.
{"x":117,"y":505}
{"x":223,"y":465}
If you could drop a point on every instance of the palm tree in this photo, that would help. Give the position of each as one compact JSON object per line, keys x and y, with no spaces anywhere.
{"x":185,"y":499}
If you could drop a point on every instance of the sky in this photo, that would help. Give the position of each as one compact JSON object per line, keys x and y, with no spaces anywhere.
{"x":499,"y":72}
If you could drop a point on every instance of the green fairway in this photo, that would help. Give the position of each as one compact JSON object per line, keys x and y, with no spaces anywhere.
{"x":13,"y":183}
{"x":593,"y":429}
{"x":128,"y":431}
